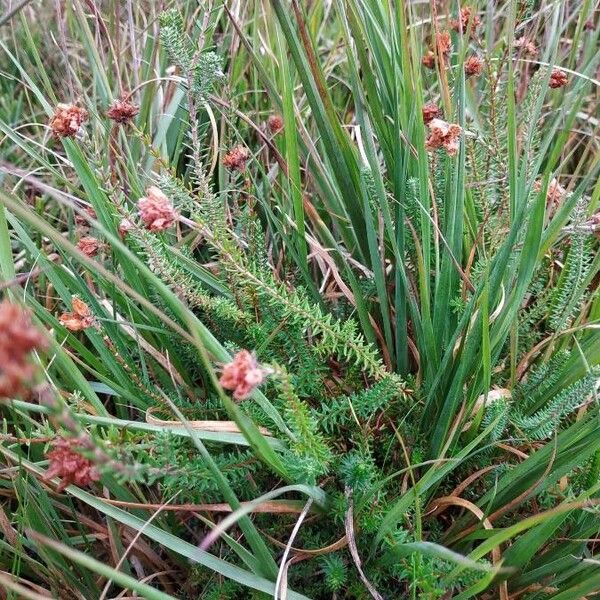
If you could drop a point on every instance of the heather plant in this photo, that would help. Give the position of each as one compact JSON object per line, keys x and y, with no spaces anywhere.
{"x":299,"y":300}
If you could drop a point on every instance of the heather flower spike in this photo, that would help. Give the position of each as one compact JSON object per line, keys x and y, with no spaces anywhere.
{"x":473,"y":66}
{"x":430,"y":112}
{"x":156,"y":210}
{"x":243,"y":375}
{"x":275,"y":124}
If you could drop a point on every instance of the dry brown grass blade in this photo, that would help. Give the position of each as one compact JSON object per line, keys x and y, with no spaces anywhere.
{"x":215,"y":426}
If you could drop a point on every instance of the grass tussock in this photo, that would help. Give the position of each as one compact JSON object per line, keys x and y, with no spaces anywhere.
{"x":299,"y":300}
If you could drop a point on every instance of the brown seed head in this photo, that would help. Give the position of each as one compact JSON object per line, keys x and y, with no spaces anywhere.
{"x":18,"y":338}
{"x":473,"y":65}
{"x":275,"y":124}
{"x":236,"y":158}
{"x":81,"y":317}
{"x":122,"y":111}
{"x":526,"y":45}
{"x":558,"y":79}
{"x":89,"y":246}
{"x":156,"y":210}
{"x":443,"y":135}
{"x":462,"y":23}
{"x":430,"y":112}
{"x":67,"y":120}
{"x":68,"y":464}
{"x":428,"y":60}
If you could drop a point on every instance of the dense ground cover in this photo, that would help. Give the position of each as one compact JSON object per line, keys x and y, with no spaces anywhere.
{"x":299,"y":299}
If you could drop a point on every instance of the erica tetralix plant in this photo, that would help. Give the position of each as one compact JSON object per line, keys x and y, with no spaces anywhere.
{"x":242,"y":375}
{"x":156,"y":210}
{"x":69,"y":464}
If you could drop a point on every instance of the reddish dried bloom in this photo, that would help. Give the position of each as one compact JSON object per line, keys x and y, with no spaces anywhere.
{"x":242,"y":376}
{"x":462,"y":23}
{"x":444,"y":42}
{"x":428,"y":60}
{"x":473,"y":65}
{"x":122,"y":111}
{"x":18,"y":338}
{"x":526,"y":45}
{"x":81,"y":317}
{"x":125,"y":226}
{"x":89,"y":246}
{"x":81,"y":220}
{"x":69,"y":465}
{"x":430,"y":112}
{"x":558,"y":79}
{"x":236,"y":158}
{"x":443,"y":135}
{"x":156,"y":210}
{"x":67,"y":120}
{"x":275,"y":124}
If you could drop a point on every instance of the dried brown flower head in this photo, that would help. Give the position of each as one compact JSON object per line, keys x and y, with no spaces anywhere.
{"x":236,"y":158}
{"x":275,"y":124}
{"x":473,"y":65}
{"x":428,"y":60}
{"x":67,"y":120}
{"x":444,"y":43}
{"x":81,"y":220}
{"x":589,"y":25}
{"x":156,"y":210}
{"x":68,"y":464}
{"x":558,"y":79}
{"x":18,"y":338}
{"x":81,"y":317}
{"x":430,"y":112}
{"x":462,"y":23}
{"x":526,"y":45}
{"x":443,"y":135}
{"x":125,"y":226}
{"x":242,"y":376}
{"x":89,"y":246}
{"x":122,"y":111}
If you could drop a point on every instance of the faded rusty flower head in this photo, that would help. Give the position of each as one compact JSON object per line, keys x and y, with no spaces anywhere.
{"x":18,"y":338}
{"x":67,"y":120}
{"x":443,"y":135}
{"x":430,"y":112}
{"x":81,"y":317}
{"x":156,"y":210}
{"x":125,"y":226}
{"x":81,"y":220}
{"x":236,"y":158}
{"x":275,"y":124}
{"x":89,"y":245}
{"x":68,"y":464}
{"x":428,"y":60}
{"x":122,"y":110}
{"x":526,"y":45}
{"x":473,"y":65}
{"x":242,"y":376}
{"x":444,"y":42}
{"x":462,"y":23}
{"x":558,"y":79}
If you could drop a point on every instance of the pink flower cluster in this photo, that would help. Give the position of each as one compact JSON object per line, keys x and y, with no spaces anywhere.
{"x":242,"y":376}
{"x":69,"y":465}
{"x":156,"y":210}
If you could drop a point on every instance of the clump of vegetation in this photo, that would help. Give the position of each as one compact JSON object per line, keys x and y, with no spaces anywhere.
{"x":299,"y":300}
